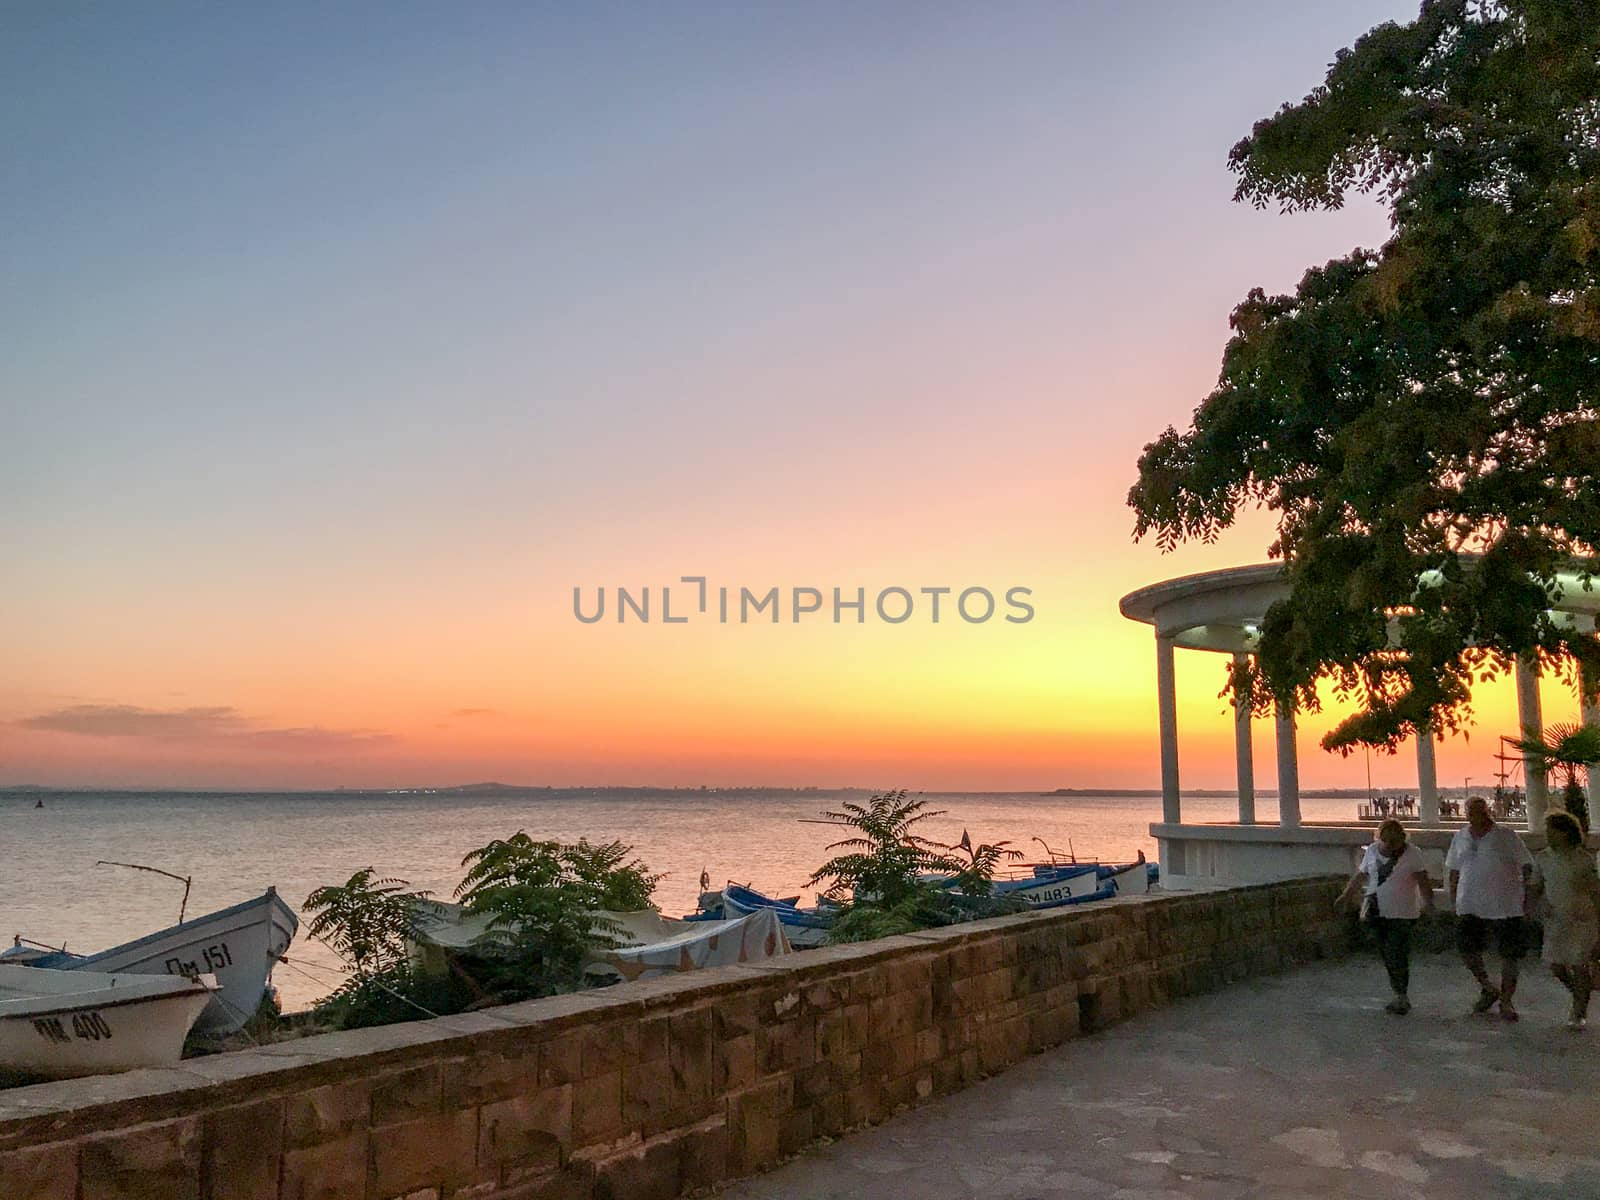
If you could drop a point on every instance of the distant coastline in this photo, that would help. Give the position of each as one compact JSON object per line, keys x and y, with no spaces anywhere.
{"x":550,"y":791}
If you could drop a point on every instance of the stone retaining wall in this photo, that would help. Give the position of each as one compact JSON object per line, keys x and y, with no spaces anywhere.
{"x":647,"y":1089}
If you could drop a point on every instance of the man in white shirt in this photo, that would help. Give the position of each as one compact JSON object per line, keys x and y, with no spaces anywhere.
{"x":1489,"y":869}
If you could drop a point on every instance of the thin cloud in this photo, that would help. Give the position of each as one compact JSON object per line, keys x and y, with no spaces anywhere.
{"x":473,"y":712}
{"x":215,"y":725}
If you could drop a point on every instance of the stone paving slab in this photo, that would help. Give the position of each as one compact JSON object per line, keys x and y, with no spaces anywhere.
{"x":1290,"y":1087}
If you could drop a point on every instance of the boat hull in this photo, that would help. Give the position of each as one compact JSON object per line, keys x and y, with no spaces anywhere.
{"x":1037,"y":893}
{"x":132,"y":1021}
{"x":805,"y":928}
{"x":239,"y":945}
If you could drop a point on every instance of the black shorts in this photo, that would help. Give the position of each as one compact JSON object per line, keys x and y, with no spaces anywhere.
{"x":1510,"y":936}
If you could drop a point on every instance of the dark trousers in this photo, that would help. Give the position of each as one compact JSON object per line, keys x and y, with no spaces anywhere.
{"x":1394,"y":944}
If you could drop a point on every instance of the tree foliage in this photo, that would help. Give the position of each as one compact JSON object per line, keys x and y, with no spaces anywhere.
{"x":886,"y":859}
{"x":1425,"y":411}
{"x":890,"y":879}
{"x":368,"y":920}
{"x":1571,"y":751}
{"x":547,"y":904}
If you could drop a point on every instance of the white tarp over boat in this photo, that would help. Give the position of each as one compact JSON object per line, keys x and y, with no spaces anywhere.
{"x":442,"y":928}
{"x":63,"y":1024}
{"x":753,"y":938}
{"x":454,"y":928}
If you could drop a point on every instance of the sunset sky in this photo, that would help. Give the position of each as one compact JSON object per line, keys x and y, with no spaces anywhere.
{"x":343,"y":342}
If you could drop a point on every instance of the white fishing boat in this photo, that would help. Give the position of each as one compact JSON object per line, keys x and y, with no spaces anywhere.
{"x":239,"y":945}
{"x":62,"y":1024}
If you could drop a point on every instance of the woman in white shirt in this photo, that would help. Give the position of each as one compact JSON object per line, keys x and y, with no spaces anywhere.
{"x":1564,"y":876}
{"x":1396,"y":891}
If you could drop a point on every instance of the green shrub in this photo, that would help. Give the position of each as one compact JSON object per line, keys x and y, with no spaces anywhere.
{"x":884,"y":880}
{"x":545,"y":901}
{"x":367,"y":921}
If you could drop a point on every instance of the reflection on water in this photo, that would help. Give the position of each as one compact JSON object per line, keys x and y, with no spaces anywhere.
{"x":235,"y":846}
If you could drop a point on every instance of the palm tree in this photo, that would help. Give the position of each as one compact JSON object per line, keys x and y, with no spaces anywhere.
{"x":1570,"y":751}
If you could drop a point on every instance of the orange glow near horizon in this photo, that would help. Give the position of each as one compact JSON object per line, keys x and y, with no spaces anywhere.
{"x":322,"y":420}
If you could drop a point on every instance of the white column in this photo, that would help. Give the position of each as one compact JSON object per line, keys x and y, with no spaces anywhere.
{"x":1167,"y":703}
{"x":1243,"y":757}
{"x":1532,"y":722}
{"x":1288,"y":771}
{"x":1427,"y":779}
{"x":1589,"y":706}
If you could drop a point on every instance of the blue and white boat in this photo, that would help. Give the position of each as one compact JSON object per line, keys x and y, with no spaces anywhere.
{"x":239,"y":945}
{"x":1105,"y":891}
{"x":1049,"y":887}
{"x":802,"y":926}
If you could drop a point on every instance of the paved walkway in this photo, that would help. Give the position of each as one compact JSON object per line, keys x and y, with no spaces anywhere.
{"x":1290,"y":1087}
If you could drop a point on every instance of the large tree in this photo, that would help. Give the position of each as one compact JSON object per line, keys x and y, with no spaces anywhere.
{"x":1421,"y":417}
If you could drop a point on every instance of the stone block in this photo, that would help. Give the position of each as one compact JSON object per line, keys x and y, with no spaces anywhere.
{"x":406,"y":1095}
{"x":1003,"y":1044}
{"x":735,"y":1015}
{"x":647,"y":1095}
{"x":754,"y":1118}
{"x":866,"y":985}
{"x":735,"y":1064}
{"x":795,"y":1131}
{"x":890,"y":1057}
{"x":531,"y":1130}
{"x":908,"y":974}
{"x":572,"y":1182}
{"x":431,"y":1151}
{"x":899,"y":1013}
{"x":649,"y":1171}
{"x":824,"y":995}
{"x":483,"y":1078}
{"x":864,"y":1104}
{"x":654,"y":1036}
{"x":604,"y":1049}
{"x":692,"y":1054}
{"x":786,"y":1046}
{"x":703,"y":1155}
{"x":561,"y":1059}
{"x":326,"y":1113}
{"x":242,"y":1147}
{"x":842,"y":1031}
{"x":40,"y":1173}
{"x":153,"y":1162}
{"x":596,"y":1108}
{"x":332,"y":1170}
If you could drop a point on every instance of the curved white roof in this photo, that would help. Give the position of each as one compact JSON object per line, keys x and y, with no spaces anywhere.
{"x":1223,"y":610}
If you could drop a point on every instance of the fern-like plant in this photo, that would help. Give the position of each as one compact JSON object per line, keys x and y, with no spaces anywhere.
{"x":547,"y":902}
{"x":976,"y":865}
{"x":368,"y":920}
{"x":1570,"y":751}
{"x":890,"y":879}
{"x":885,"y":860}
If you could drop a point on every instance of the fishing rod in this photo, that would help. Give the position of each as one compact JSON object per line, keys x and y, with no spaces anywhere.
{"x":186,"y":880}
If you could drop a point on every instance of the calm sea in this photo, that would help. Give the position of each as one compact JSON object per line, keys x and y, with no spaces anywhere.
{"x":236,"y":845}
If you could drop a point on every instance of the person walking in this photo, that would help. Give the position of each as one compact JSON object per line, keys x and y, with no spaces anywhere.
{"x":1489,"y":869}
{"x":1564,"y":876}
{"x":1396,"y":891}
